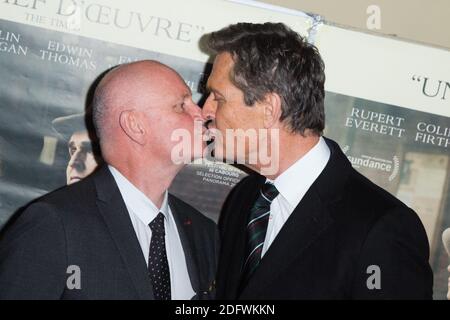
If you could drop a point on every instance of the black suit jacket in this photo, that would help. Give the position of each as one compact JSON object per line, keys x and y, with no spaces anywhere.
{"x":87,"y":225}
{"x":343,"y":225}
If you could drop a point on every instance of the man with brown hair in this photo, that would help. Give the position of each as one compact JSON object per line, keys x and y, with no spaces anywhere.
{"x":314,"y":228}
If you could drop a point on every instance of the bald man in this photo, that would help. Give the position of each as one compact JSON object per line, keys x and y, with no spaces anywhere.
{"x":118,"y":234}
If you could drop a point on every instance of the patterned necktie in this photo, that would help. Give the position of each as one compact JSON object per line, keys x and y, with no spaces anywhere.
{"x":257,"y":228}
{"x":158,"y":266}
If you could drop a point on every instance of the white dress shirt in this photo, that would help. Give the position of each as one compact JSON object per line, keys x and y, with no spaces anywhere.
{"x":142,"y":211}
{"x":293,"y":185}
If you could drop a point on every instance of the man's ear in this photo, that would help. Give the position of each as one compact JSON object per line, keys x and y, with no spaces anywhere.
{"x":132,"y":125}
{"x":272,"y":110}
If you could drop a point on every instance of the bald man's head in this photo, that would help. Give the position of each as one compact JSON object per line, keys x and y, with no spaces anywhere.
{"x":139,"y":105}
{"x":132,"y":85}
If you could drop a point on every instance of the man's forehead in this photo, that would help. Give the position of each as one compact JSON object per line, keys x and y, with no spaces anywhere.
{"x":223,"y":61}
{"x":176,"y":88}
{"x":173,"y":82}
{"x":140,"y":81}
{"x":79,"y":136}
{"x":221,"y":67}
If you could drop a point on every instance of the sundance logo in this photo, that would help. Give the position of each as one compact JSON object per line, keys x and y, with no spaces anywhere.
{"x":383,"y":165}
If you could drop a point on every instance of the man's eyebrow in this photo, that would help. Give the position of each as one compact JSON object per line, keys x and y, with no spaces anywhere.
{"x":86,"y":144}
{"x":210,"y":89}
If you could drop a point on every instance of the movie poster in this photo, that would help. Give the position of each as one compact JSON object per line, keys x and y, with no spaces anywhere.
{"x":387,"y":101}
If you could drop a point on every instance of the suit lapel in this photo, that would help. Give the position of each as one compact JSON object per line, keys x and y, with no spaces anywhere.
{"x":184,"y":226}
{"x":116,"y":217}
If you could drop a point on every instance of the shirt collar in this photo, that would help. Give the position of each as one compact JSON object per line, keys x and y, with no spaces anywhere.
{"x":137,"y":201}
{"x":294,"y":182}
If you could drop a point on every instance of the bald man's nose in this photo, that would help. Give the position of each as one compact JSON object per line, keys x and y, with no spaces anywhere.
{"x":196,"y":113}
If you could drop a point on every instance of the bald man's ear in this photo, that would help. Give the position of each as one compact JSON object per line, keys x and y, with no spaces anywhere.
{"x":132,"y":125}
{"x":272,"y":110}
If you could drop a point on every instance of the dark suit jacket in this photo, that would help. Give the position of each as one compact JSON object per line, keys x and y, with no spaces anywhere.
{"x":343,"y":225}
{"x":87,"y":225}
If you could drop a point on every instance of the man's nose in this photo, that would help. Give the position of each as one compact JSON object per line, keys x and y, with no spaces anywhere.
{"x":209,"y":110}
{"x":77,"y":161}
